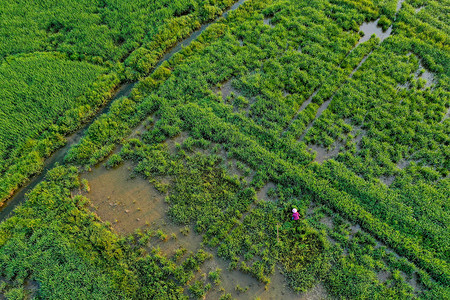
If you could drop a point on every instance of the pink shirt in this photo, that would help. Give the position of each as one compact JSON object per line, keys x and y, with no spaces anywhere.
{"x":296,"y":216}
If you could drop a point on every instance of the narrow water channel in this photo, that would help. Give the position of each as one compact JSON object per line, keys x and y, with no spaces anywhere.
{"x":124,"y":91}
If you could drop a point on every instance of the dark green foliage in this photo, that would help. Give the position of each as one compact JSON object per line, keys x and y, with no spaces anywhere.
{"x":114,"y":161}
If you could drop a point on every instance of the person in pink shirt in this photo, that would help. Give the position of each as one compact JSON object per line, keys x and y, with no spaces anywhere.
{"x":295,"y":215}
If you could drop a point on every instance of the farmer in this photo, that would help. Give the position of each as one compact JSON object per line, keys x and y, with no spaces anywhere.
{"x":295,"y":215}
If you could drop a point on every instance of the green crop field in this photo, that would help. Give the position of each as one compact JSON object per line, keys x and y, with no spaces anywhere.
{"x":60,"y":61}
{"x":281,"y":104}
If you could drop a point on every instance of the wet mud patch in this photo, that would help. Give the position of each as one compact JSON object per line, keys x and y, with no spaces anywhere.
{"x":242,"y":286}
{"x":302,"y":107}
{"x":399,"y":5}
{"x":233,"y":166}
{"x":29,"y":288}
{"x":387,"y":180}
{"x":419,"y":9}
{"x":402,"y":164}
{"x":358,"y":133}
{"x":143,"y":127}
{"x":170,"y":237}
{"x":414,"y":282}
{"x":237,"y":168}
{"x":310,"y":211}
{"x":447,"y":115}
{"x":327,"y":221}
{"x":318,"y":292}
{"x":268,"y":22}
{"x":172,"y":142}
{"x":426,"y":75}
{"x":234,"y":282}
{"x":426,"y":79}
{"x":370,"y":28}
{"x":359,"y":65}
{"x":127,"y":203}
{"x":383,"y":276}
{"x":319,"y":112}
{"x":266,"y":193}
{"x":355,"y":228}
{"x":226,"y":89}
{"x":323,"y":154}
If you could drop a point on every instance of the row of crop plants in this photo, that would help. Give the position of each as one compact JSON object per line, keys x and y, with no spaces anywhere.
{"x":62,"y":62}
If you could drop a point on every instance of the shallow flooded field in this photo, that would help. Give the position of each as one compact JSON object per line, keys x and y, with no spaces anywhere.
{"x":131,"y":204}
{"x":127,"y":203}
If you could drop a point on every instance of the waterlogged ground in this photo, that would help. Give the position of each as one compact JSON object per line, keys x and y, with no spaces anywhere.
{"x":336,"y":227}
{"x":126,"y":203}
{"x":131,"y":203}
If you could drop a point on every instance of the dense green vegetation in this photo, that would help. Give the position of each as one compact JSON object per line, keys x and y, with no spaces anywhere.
{"x":72,"y":255}
{"x":98,"y":44}
{"x":37,"y":89}
{"x":374,"y":218}
{"x":99,"y":31}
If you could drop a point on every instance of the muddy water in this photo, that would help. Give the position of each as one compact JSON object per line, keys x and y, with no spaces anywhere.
{"x":229,"y":279}
{"x":128,"y":204}
{"x":427,"y":75}
{"x":250,"y":287}
{"x":262,"y":193}
{"x":370,"y":28}
{"x":323,"y":154}
{"x":131,"y":204}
